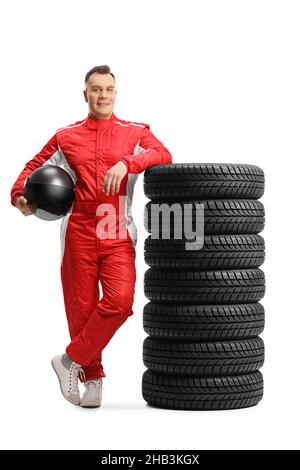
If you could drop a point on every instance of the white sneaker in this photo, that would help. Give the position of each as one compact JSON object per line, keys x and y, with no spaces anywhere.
{"x":92,"y":396}
{"x":67,"y":372}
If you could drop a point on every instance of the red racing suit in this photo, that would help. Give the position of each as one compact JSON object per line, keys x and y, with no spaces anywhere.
{"x":89,"y":254}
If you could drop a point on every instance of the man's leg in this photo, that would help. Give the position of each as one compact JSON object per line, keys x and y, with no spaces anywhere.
{"x":80,"y":281}
{"x":117,"y":274}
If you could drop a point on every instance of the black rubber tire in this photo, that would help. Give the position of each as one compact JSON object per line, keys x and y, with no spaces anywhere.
{"x":204,"y":180}
{"x":204,"y":287}
{"x":177,"y":392}
{"x":218,"y":252}
{"x":232,"y":216}
{"x":205,"y":359}
{"x":203,"y":322}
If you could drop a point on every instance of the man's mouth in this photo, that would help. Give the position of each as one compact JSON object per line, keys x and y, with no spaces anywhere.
{"x":102,"y":104}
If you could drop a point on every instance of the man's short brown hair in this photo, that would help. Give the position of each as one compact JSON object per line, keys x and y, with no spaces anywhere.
{"x":98,"y":69}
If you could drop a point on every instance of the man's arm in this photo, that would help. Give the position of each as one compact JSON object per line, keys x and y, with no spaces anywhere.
{"x":49,"y":151}
{"x":148,"y":152}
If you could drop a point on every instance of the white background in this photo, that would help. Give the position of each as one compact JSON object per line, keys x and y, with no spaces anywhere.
{"x":218,"y":81}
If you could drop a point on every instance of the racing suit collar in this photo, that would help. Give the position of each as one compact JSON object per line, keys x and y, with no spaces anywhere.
{"x":100,"y":123}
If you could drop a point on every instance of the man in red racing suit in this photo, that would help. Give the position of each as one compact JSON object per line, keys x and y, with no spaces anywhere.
{"x":88,"y":150}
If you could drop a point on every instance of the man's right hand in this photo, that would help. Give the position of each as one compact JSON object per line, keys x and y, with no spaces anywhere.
{"x":21,"y":204}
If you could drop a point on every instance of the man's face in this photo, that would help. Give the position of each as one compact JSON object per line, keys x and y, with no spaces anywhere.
{"x":100,"y":94}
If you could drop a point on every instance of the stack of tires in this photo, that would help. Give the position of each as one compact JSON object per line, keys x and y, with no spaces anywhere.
{"x":204,"y":318}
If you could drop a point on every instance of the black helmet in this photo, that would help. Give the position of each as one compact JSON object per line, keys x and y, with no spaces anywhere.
{"x":50,"y":192}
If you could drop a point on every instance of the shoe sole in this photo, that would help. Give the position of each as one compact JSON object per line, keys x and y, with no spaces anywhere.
{"x":76,"y":404}
{"x":89,"y":406}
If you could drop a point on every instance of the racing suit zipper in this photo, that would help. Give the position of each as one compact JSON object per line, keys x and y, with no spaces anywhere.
{"x":98,"y":176}
{"x":99,"y":162}
{"x":97,"y":156}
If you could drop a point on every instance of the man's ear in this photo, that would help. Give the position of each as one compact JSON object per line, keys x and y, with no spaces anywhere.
{"x":85,"y":95}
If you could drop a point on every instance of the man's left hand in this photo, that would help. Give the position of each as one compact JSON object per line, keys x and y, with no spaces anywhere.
{"x":113,"y":178}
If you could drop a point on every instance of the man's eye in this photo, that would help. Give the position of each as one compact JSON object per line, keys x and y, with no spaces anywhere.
{"x":97,"y":89}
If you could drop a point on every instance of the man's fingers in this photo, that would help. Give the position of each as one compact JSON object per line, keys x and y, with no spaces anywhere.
{"x":22,"y":200}
{"x":26,"y":212}
{"x":113,"y":184}
{"x":118,"y":184}
{"x":110,"y":184}
{"x":27,"y":209}
{"x":105,"y":182}
{"x":23,"y":206}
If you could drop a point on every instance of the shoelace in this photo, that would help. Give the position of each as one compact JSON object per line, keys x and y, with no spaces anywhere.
{"x":76,"y":371}
{"x":92,"y":387}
